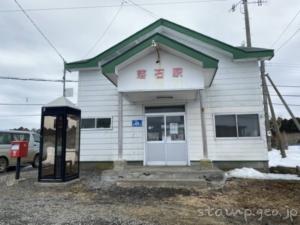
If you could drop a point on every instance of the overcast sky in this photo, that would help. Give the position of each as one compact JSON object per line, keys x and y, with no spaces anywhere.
{"x":24,"y":52}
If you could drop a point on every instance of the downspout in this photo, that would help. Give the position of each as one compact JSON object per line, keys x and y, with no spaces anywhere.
{"x":120,"y":126}
{"x":203,"y":127}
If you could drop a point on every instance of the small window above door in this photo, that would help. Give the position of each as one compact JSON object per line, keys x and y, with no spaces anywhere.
{"x":164,"y":109}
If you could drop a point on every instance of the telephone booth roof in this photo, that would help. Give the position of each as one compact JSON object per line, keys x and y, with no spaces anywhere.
{"x":61,"y":102}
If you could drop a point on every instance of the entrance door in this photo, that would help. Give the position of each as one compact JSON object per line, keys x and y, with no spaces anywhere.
{"x":166,"y":141}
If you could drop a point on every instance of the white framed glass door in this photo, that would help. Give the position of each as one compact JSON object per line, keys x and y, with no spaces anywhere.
{"x":166,"y":139}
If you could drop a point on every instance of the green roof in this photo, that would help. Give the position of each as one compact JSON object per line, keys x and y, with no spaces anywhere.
{"x":237,"y":52}
{"x":207,"y":61}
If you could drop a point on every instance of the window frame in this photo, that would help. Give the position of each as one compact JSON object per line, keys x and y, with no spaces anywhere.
{"x":95,"y":125}
{"x":103,"y":128}
{"x":259,"y":137}
{"x":10,"y":135}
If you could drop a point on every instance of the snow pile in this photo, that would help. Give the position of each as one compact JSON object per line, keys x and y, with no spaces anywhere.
{"x":250,"y":173}
{"x":292,"y":159}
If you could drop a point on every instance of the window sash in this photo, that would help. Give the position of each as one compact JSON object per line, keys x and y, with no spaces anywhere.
{"x":95,"y":122}
{"x":237,"y":133}
{"x":89,"y":124}
{"x":226,"y":129}
{"x":106,"y":121}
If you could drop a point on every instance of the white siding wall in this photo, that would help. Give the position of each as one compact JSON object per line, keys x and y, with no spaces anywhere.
{"x":236,"y":89}
{"x":97,"y":97}
{"x":133,"y":137}
{"x":194,"y":132}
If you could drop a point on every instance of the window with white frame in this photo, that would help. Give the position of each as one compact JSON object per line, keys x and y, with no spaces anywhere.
{"x":237,"y":125}
{"x":96,"y":123}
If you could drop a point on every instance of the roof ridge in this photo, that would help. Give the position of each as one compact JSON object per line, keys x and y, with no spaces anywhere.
{"x":237,"y":53}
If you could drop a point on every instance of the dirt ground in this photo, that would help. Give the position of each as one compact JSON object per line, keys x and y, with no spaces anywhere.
{"x":88,"y":201}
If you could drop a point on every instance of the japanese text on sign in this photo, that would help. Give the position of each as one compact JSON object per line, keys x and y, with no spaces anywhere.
{"x":159,"y":73}
{"x":177,"y":72}
{"x":141,"y":74}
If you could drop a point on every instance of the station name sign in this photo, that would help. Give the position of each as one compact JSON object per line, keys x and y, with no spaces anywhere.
{"x":159,"y":73}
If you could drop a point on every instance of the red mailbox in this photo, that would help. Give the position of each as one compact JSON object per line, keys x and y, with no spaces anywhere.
{"x":18,"y":149}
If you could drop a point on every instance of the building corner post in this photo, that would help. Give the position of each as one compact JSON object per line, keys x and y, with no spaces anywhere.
{"x":120,"y":126}
{"x":203,"y":127}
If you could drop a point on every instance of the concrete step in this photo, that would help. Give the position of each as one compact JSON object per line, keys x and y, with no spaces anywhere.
{"x":163,"y":183}
{"x":165,"y":177}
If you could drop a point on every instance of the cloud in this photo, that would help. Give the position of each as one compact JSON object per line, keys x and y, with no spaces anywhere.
{"x":23,"y":51}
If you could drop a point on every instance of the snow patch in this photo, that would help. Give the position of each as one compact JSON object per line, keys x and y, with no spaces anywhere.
{"x":292,"y":159}
{"x":250,"y":173}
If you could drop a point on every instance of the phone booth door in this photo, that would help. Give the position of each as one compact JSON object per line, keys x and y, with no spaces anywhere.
{"x":53,"y":145}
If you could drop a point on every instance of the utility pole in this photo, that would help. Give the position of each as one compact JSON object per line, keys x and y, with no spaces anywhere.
{"x":284,"y":103}
{"x":265,"y":102}
{"x":64,"y":83}
{"x":247,"y":23}
{"x":262,"y":74}
{"x":277,"y":131}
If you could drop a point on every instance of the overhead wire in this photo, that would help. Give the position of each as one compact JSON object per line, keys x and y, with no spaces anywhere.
{"x":105,"y":31}
{"x":21,"y":104}
{"x":34,"y":79}
{"x":40,"y":31}
{"x":12,"y":115}
{"x":288,"y":40}
{"x":285,"y":29}
{"x":143,"y":9}
{"x":112,"y":5}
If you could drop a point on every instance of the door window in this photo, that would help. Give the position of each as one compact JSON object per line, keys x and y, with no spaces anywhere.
{"x":175,"y":128}
{"x":155,"y":128}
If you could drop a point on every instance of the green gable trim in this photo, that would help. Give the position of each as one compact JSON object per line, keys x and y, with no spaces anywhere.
{"x":207,"y":61}
{"x":237,"y":52}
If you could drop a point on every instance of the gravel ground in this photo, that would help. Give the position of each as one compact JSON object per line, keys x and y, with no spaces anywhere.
{"x":90,"y":201}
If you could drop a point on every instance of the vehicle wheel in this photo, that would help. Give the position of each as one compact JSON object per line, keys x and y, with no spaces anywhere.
{"x":3,"y":164}
{"x":36,"y":161}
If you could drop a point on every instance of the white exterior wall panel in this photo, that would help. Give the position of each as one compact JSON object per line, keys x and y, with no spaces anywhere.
{"x":133,"y":137}
{"x":193,"y":130}
{"x":97,"y":98}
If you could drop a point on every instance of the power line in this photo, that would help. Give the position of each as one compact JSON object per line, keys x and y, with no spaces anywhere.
{"x":284,"y":63}
{"x":18,"y":115}
{"x":288,"y":86}
{"x":34,"y":79}
{"x":288,"y":95}
{"x":112,"y":6}
{"x":285,"y":29}
{"x":288,"y":40}
{"x":143,"y":9}
{"x":40,"y":31}
{"x":105,"y":31}
{"x":288,"y":104}
{"x":21,"y":104}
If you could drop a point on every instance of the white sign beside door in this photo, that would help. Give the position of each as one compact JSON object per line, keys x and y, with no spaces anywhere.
{"x":173,"y":128}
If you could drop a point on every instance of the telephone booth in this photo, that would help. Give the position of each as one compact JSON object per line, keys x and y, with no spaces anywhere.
{"x":60,"y":141}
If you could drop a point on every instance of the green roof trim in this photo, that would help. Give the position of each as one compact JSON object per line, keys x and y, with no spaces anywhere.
{"x":237,"y":52}
{"x":207,"y":61}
